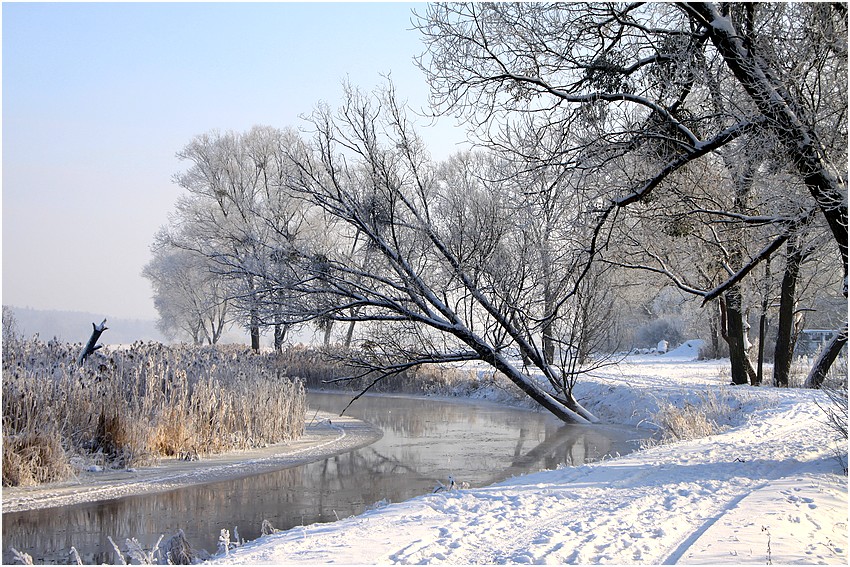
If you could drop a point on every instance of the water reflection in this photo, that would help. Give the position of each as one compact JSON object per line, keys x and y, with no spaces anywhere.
{"x":424,"y":441}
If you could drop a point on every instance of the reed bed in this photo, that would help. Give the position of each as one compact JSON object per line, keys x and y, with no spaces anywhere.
{"x":133,"y":405}
{"x":320,"y":368}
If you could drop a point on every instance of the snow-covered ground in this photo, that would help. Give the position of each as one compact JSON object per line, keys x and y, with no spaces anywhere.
{"x":767,"y":489}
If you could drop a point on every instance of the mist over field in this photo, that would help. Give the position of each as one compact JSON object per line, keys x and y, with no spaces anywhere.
{"x":75,"y":326}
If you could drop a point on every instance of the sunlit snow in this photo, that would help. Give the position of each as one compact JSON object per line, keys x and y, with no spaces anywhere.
{"x":767,"y":489}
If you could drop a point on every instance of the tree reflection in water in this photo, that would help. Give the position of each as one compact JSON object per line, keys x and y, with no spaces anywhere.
{"x":424,"y":441}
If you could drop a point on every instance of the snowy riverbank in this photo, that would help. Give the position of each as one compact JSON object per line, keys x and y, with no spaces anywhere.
{"x":768,"y":488}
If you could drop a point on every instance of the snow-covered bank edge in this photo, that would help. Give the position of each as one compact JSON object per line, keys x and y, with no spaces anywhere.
{"x":326,"y":435}
{"x":767,"y":489}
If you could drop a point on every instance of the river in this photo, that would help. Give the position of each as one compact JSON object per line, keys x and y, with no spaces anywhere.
{"x":425,"y":440}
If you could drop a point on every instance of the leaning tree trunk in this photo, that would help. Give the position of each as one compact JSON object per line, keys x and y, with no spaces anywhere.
{"x":568,"y":410}
{"x":783,"y":355}
{"x":826,"y":358}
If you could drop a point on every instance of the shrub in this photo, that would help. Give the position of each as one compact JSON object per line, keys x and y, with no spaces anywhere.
{"x":33,"y":457}
{"x":835,"y":408}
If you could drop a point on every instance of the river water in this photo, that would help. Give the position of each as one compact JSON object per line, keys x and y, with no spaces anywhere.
{"x":424,"y":441}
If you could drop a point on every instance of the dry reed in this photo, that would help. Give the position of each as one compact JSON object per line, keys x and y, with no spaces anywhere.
{"x":133,"y":405}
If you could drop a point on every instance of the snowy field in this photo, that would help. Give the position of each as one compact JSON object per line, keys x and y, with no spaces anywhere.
{"x":768,"y":488}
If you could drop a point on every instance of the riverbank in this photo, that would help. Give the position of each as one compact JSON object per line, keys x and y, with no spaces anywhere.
{"x":767,"y":487}
{"x":324,"y":436}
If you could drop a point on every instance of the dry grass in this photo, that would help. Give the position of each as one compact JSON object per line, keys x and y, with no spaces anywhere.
{"x":682,"y":423}
{"x":134,"y":405}
{"x":706,"y":413}
{"x":33,"y":457}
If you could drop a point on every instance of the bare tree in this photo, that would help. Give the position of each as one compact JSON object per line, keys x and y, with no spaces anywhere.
{"x":437,"y":288}
{"x":238,"y":215}
{"x":191,"y":300}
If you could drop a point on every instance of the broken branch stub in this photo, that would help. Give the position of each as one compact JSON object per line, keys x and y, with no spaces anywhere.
{"x":92,"y":345}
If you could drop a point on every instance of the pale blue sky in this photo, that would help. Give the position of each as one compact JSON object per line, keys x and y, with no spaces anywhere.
{"x":97,"y":98}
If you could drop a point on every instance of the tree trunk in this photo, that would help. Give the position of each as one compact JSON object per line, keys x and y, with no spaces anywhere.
{"x":762,"y":334}
{"x":548,"y":326}
{"x":349,"y":336}
{"x":254,"y":329}
{"x":743,"y":175}
{"x":329,"y":325}
{"x":765,"y":303}
{"x":217,"y":323}
{"x":786,"y":339}
{"x":279,"y":336}
{"x":548,"y":344}
{"x":548,"y":329}
{"x":733,"y":334}
{"x":208,"y":335}
{"x":716,"y":323}
{"x":826,"y":358}
{"x":569,"y":412}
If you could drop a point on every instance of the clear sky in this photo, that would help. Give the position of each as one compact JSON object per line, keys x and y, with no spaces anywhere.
{"x":98,"y":98}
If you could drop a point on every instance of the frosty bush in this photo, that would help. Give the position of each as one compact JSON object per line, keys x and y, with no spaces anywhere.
{"x":669,"y":329}
{"x":136,"y":404}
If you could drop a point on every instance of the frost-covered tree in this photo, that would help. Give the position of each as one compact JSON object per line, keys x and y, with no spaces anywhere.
{"x":659,"y":88}
{"x":10,"y":326}
{"x":239,"y":216}
{"x":190,"y":298}
{"x":544,"y":208}
{"x":442,"y":274}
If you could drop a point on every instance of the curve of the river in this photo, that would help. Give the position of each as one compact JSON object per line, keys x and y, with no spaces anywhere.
{"x":424,"y":442}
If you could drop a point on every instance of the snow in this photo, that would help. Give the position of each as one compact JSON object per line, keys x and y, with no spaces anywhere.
{"x":688,"y":350}
{"x":768,"y":488}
